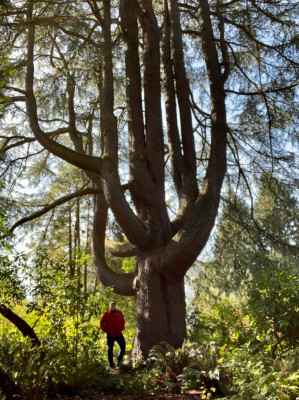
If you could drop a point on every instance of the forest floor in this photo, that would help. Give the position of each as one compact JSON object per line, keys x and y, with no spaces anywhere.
{"x":94,"y":395}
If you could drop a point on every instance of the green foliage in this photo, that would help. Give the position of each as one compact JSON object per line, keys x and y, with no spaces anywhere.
{"x":66,"y":320}
{"x":4,"y":4}
{"x":192,"y":366}
{"x":246,"y":296}
{"x":6,"y":71}
{"x":50,"y":369}
{"x":129,"y":264}
{"x":12,"y":265}
{"x":273,"y":300}
{"x":258,"y":377}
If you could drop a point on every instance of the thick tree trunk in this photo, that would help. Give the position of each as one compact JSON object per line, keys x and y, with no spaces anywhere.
{"x":161,"y":309}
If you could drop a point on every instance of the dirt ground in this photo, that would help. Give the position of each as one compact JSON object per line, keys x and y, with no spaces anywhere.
{"x":93,"y":395}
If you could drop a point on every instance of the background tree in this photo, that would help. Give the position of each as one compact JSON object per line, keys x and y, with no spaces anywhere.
{"x":249,"y":288}
{"x":246,"y":293}
{"x":91,"y":74}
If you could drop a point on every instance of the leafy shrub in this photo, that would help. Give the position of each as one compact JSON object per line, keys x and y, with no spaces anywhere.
{"x":189,"y":367}
{"x":262,"y":378}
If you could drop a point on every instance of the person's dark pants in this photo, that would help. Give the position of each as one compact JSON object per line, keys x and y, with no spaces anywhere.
{"x":122,"y":348}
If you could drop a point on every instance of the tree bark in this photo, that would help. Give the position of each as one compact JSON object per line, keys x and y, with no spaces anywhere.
{"x":160,"y":307}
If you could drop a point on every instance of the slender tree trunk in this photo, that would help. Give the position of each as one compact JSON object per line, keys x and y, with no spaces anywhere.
{"x":71,"y":265}
{"x":78,"y":241}
{"x":160,"y":307}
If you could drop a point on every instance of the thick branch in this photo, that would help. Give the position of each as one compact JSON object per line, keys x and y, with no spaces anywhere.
{"x":136,"y":232}
{"x":121,"y":283}
{"x":185,"y":246}
{"x":110,"y":132}
{"x":188,"y":167}
{"x":182,"y":89}
{"x":32,"y":139}
{"x":22,"y":325}
{"x":152,"y":95}
{"x":13,"y":99}
{"x":142,"y":187}
{"x":174,"y":141}
{"x":223,"y":44}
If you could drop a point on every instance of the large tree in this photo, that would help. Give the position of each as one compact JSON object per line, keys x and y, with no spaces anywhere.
{"x":135,"y":94}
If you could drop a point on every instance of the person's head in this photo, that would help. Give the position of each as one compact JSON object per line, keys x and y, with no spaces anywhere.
{"x":112,"y":305}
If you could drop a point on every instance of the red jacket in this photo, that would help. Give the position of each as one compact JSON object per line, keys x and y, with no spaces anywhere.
{"x":113,"y":323}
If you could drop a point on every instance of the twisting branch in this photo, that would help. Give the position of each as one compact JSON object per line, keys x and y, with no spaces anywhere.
{"x":32,"y":139}
{"x":96,"y":11}
{"x":122,"y":283}
{"x":89,"y":163}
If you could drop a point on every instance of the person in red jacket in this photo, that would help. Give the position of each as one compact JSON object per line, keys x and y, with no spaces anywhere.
{"x":113,"y":324}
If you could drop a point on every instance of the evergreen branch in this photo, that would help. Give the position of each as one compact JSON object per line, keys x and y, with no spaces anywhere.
{"x":263,"y":91}
{"x":55,"y":204}
{"x":254,"y":39}
{"x":33,"y":139}
{"x":84,"y":161}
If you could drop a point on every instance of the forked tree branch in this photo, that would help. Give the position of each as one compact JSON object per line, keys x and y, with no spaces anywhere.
{"x":142,"y":186}
{"x":86,"y":162}
{"x":183,"y":249}
{"x":135,"y":230}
